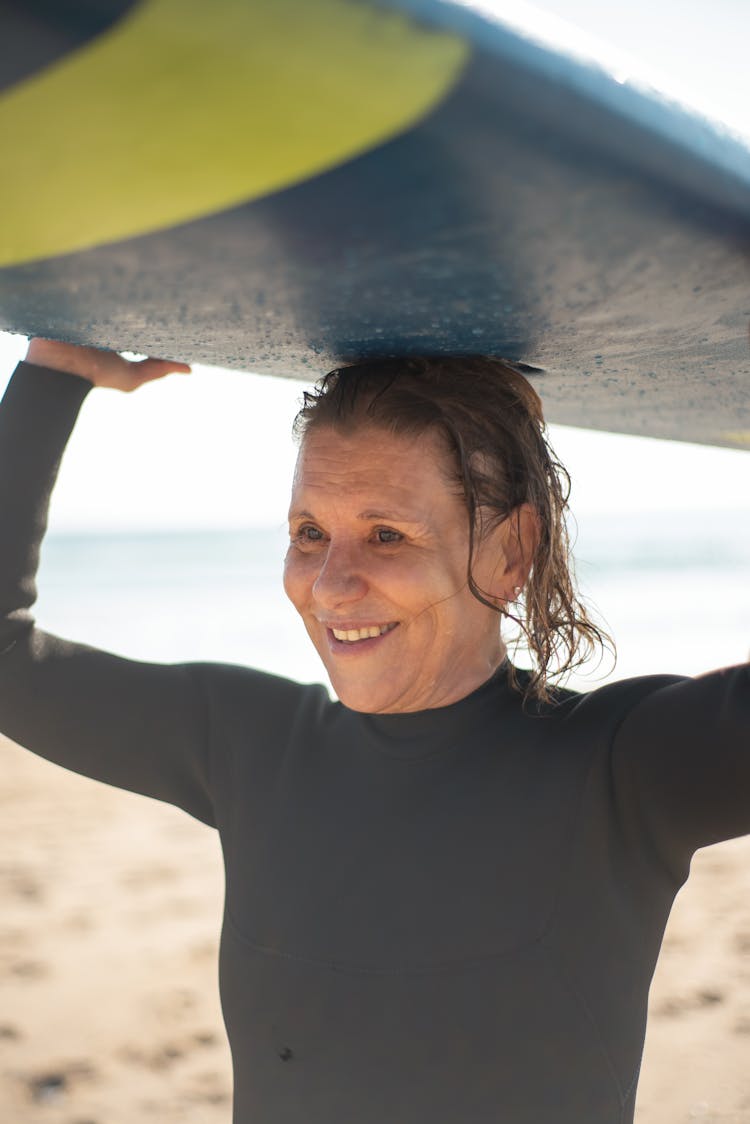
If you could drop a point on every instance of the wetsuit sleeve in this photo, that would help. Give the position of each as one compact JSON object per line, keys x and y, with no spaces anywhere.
{"x":138,"y":726}
{"x":681,"y":761}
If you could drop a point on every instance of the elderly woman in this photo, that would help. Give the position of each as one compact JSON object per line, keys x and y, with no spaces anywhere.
{"x":445,"y":893}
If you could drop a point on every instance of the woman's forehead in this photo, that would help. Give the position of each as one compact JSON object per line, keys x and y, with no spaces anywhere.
{"x":384,"y":471}
{"x":366,"y":448}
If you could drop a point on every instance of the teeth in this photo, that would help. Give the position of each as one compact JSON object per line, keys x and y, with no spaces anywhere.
{"x":352,"y":634}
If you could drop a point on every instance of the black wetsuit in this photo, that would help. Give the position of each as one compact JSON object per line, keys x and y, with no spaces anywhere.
{"x":449,"y":917}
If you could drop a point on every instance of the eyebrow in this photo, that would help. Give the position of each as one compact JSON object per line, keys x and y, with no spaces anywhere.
{"x":388,"y":516}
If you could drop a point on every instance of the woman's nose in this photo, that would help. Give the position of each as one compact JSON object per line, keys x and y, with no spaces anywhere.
{"x":340,"y":579}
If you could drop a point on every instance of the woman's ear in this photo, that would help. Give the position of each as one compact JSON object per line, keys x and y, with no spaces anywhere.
{"x":504,"y":554}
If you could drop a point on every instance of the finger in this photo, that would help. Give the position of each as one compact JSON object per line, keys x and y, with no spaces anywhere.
{"x":172,"y":364}
{"x":156,"y":368}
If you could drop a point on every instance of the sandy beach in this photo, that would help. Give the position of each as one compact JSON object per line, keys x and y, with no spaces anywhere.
{"x":109,"y":1013}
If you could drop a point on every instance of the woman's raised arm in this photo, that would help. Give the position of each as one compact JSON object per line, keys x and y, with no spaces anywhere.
{"x":138,"y":726}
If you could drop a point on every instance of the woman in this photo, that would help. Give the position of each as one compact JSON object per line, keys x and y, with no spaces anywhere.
{"x":445,"y":894}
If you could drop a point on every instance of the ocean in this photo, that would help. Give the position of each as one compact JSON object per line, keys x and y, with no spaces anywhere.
{"x":673,"y":588}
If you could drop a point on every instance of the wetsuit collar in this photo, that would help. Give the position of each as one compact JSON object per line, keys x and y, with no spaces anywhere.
{"x":424,"y":731}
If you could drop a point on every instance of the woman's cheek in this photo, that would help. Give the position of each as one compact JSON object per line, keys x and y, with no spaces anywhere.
{"x":299,"y":576}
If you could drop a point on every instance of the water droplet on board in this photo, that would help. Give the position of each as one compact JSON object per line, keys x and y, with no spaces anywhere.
{"x":48,"y":1087}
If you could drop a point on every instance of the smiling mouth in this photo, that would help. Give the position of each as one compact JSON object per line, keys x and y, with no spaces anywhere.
{"x":355,"y":635}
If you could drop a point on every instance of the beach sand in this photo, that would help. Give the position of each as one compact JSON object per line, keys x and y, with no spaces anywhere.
{"x":110,"y":907}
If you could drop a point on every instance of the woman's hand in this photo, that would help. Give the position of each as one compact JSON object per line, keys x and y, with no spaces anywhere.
{"x":102,"y":368}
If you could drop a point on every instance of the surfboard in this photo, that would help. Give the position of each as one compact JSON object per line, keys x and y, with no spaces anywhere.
{"x":283,"y":186}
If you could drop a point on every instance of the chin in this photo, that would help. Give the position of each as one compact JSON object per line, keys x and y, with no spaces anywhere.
{"x":356,"y":699}
{"x":362,"y":697}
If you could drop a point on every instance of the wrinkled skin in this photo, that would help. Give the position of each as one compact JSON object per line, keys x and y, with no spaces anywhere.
{"x":379,"y":539}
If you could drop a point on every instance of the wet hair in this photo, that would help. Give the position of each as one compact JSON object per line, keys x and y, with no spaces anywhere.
{"x":490,"y":418}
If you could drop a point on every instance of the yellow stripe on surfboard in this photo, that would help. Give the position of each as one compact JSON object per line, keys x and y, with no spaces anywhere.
{"x":738,"y":437}
{"x":185,"y":108}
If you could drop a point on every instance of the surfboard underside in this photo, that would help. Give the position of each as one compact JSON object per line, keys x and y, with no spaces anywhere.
{"x":523,"y":213}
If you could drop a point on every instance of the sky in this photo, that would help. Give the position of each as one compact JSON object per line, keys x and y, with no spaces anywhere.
{"x":213,"y":449}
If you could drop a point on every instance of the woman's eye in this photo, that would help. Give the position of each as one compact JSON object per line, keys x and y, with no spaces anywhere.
{"x":309,"y":534}
{"x":385,"y":536}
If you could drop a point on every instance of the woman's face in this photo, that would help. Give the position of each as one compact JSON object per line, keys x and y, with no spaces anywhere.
{"x":377,"y":566}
